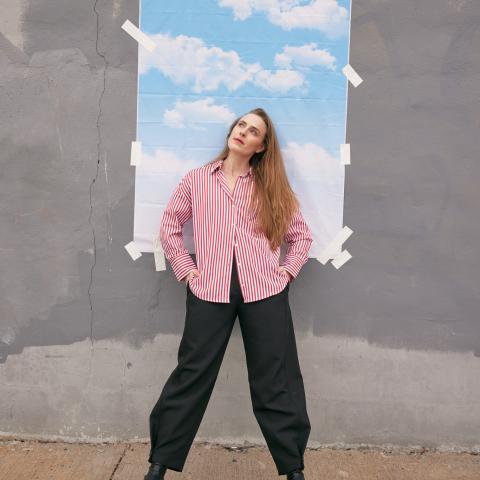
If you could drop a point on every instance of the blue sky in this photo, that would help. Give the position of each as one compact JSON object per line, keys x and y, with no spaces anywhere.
{"x":311,"y":112}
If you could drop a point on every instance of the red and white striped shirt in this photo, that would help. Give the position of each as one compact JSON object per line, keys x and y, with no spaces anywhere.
{"x":223,"y":222}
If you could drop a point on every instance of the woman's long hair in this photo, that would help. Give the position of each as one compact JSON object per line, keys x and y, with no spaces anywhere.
{"x":272,"y":197}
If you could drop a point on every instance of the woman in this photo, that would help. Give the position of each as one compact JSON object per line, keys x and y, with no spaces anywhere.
{"x":242,"y":208}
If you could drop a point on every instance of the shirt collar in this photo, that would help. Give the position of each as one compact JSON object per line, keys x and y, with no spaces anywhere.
{"x":216,"y":165}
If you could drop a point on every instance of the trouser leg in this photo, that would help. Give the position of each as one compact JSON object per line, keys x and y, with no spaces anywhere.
{"x":275,"y":379}
{"x":177,"y":415}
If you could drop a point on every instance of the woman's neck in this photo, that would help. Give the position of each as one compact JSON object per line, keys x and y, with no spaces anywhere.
{"x":235,"y":165}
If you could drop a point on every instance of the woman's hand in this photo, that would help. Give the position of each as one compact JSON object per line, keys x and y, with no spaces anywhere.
{"x":283,"y":269}
{"x":191,"y":274}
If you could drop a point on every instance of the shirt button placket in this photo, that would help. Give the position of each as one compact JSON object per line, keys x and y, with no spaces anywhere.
{"x":234,"y":233}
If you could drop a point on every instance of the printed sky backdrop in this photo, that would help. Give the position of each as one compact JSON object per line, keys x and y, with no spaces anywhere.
{"x":217,"y":59}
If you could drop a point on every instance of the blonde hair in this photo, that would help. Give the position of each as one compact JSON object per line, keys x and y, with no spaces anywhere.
{"x":273,"y":199}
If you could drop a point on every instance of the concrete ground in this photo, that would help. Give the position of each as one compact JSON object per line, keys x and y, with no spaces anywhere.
{"x":32,"y":460}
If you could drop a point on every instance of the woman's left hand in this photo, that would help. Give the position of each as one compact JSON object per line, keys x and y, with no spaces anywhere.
{"x":282,"y":269}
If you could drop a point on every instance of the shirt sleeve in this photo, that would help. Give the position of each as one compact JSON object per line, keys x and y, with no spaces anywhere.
{"x":177,"y":212}
{"x":299,"y":239}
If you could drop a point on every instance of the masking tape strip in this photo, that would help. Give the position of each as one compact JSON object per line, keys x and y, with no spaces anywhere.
{"x":133,"y":250}
{"x":341,"y":258}
{"x":158,"y":255}
{"x":159,"y":261}
{"x":139,"y":36}
{"x":352,"y":75}
{"x":345,"y":153}
{"x":136,"y":153}
{"x":336,"y":244}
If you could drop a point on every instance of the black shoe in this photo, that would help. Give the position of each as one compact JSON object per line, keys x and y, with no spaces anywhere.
{"x":295,"y":475}
{"x":156,"y":472}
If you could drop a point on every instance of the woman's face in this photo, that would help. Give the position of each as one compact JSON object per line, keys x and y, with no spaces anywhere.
{"x":247,"y":135}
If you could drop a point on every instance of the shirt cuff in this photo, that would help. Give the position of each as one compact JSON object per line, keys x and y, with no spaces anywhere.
{"x":181,"y":265}
{"x":293,"y":266}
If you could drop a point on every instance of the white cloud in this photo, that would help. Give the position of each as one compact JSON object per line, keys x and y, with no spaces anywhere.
{"x":324,"y":15}
{"x":188,"y":60}
{"x":200,"y":111}
{"x":280,"y":80}
{"x":311,"y":160}
{"x":305,"y":56}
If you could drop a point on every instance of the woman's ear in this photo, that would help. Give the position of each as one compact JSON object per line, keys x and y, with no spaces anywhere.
{"x":261,"y":149}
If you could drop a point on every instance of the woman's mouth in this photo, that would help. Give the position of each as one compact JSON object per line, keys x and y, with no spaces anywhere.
{"x":238,"y":140}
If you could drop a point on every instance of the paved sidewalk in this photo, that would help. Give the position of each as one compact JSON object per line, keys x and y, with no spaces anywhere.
{"x":22,"y":460}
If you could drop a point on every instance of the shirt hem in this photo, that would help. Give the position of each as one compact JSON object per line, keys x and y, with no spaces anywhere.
{"x":244,"y":300}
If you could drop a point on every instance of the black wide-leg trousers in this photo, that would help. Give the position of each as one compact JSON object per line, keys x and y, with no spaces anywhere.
{"x":276,"y":383}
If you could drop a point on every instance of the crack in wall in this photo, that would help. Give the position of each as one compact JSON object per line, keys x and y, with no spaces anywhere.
{"x":92,"y":184}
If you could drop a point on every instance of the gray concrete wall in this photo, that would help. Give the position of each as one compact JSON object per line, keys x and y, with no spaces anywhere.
{"x":389,"y":344}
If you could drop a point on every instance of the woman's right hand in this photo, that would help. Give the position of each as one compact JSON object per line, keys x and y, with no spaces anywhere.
{"x":191,"y":274}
